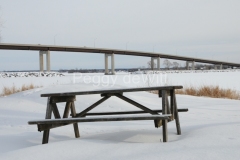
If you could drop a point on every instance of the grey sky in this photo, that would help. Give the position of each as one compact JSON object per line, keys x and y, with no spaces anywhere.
{"x":195,"y":28}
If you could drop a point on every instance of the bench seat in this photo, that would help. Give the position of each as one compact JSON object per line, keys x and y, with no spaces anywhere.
{"x":46,"y":124}
{"x":99,"y":119}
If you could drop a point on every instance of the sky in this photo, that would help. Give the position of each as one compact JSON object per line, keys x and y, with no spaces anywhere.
{"x":196,"y":28}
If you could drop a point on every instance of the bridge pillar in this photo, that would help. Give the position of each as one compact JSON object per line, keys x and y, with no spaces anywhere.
{"x":41,"y":60}
{"x":152,"y":63}
{"x":192,"y":65}
{"x":187,"y":65}
{"x":112,"y":64}
{"x":219,"y":66}
{"x":48,"y":60}
{"x":158,"y":63}
{"x":106,"y":64}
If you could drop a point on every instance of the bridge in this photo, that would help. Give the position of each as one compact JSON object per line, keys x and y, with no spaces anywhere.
{"x":45,"y":49}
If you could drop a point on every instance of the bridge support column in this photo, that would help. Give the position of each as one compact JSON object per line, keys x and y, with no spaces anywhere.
{"x":218,"y":66}
{"x":41,"y":60}
{"x":106,"y":64}
{"x":152,"y":63}
{"x":221,"y":66}
{"x":158,"y":63}
{"x":192,"y":65}
{"x":41,"y":63}
{"x":187,"y":65}
{"x":112,"y":64}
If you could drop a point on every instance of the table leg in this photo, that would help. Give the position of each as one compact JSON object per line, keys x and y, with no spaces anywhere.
{"x":164,"y":129}
{"x":66,"y":110}
{"x":168,"y":108}
{"x":48,"y":116}
{"x":172,"y":108}
{"x":55,"y":111}
{"x":176,"y":114}
{"x":75,"y":125}
{"x":164,"y":111}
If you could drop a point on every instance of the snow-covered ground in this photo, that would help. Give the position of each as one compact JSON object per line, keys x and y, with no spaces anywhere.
{"x":210,"y":130}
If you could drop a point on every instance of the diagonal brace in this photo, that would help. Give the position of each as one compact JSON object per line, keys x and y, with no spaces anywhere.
{"x":136,"y":104}
{"x":81,"y":114}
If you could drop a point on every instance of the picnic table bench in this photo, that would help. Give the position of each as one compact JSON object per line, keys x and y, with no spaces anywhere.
{"x":169,"y":110}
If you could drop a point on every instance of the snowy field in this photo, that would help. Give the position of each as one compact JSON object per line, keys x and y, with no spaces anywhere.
{"x":210,"y":130}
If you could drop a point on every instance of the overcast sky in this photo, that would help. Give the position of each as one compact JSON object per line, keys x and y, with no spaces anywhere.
{"x":195,"y":28}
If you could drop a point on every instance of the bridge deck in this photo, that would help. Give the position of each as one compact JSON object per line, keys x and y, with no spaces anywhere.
{"x":38,"y":47}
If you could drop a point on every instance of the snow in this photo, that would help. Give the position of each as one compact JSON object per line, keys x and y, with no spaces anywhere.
{"x":210,"y":129}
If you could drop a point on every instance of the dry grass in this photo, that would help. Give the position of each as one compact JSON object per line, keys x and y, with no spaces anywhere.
{"x":210,"y":91}
{"x":11,"y":90}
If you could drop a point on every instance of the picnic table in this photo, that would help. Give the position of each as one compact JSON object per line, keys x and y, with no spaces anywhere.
{"x":169,"y":110}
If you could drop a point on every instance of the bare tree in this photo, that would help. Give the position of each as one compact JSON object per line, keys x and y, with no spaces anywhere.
{"x":167,"y":63}
{"x":149,"y":63}
{"x":175,"y":65}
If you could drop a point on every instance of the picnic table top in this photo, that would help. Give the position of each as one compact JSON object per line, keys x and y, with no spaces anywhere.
{"x":119,"y":90}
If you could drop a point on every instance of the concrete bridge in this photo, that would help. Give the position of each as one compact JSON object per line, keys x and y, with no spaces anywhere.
{"x":45,"y":49}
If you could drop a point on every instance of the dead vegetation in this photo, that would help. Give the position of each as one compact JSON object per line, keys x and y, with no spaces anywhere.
{"x":11,"y":90}
{"x":208,"y":91}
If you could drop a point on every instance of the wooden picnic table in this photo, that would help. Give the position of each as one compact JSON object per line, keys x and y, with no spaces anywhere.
{"x":169,"y":110}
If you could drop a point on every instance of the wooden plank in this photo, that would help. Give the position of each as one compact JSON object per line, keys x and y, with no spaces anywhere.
{"x":112,"y":91}
{"x":127,"y":112}
{"x":157,"y":123}
{"x":55,"y":110}
{"x":165,"y":131}
{"x":168,"y":109}
{"x":99,"y":119}
{"x":81,"y":114}
{"x":110,"y":94}
{"x":168,"y":106}
{"x":176,"y":115}
{"x":164,"y":102}
{"x":44,"y":127}
{"x":164,"y":112}
{"x":160,"y":93}
{"x":48,"y":116}
{"x":136,"y":104}
{"x":58,"y":99}
{"x":54,"y":123}
{"x":172,"y":108}
{"x":75,"y":125}
{"x":67,"y":109}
